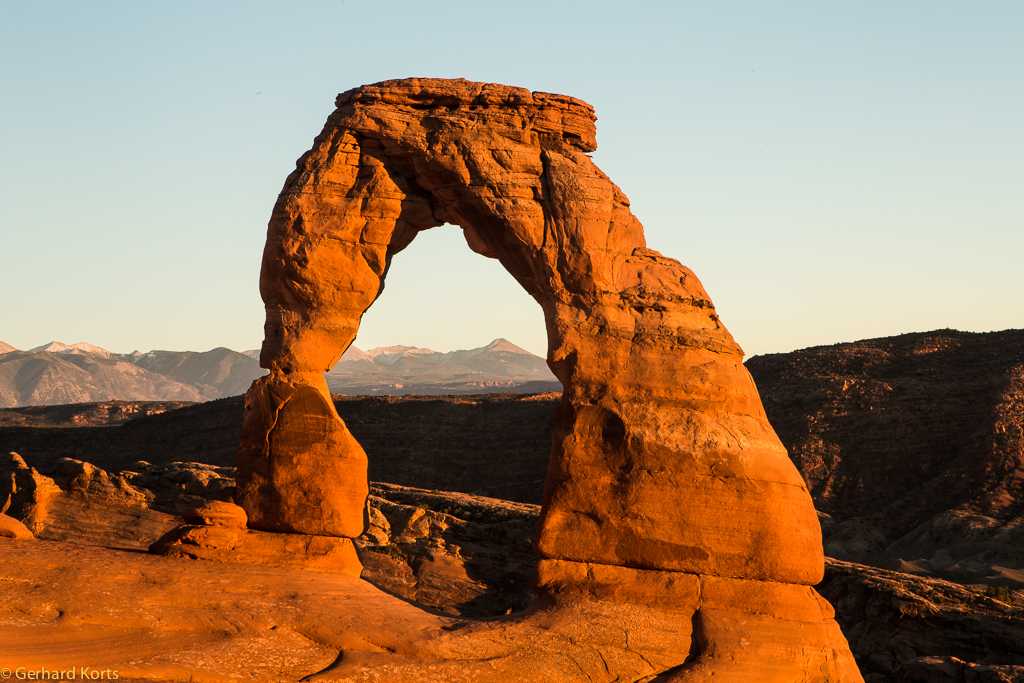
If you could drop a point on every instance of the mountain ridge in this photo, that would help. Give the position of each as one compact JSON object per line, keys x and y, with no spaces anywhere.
{"x":397,"y":370}
{"x":46,"y":378}
{"x":59,"y":373}
{"x":80,"y":347}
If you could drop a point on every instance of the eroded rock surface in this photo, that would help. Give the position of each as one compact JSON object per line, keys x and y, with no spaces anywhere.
{"x":663,"y":468}
{"x":907,"y":629}
{"x":460,"y":554}
{"x":105,"y":414}
{"x":81,"y":503}
{"x":13,"y":528}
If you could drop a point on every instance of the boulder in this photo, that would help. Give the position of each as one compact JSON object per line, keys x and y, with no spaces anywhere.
{"x":245,"y":546}
{"x":24,"y":493}
{"x":217,"y":513}
{"x":12,"y":528}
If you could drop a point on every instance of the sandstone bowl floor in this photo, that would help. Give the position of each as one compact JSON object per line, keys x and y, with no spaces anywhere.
{"x":66,"y":606}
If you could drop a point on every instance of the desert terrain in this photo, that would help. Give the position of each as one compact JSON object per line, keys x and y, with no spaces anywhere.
{"x":295,"y":534}
{"x":458,"y":483}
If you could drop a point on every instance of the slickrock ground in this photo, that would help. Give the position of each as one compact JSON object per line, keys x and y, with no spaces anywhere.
{"x":262,"y":617}
{"x":462,"y":555}
{"x":914,"y":445}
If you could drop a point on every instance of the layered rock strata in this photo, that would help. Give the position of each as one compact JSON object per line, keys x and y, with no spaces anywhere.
{"x":215,"y":540}
{"x":662,"y":457}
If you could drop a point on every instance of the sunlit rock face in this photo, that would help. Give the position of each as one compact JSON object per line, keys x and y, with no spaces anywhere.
{"x":662,"y":456}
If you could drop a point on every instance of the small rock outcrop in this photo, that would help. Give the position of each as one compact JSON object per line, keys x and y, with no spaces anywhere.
{"x":81,"y":503}
{"x":226,"y":542}
{"x":12,"y":528}
{"x":667,"y":490}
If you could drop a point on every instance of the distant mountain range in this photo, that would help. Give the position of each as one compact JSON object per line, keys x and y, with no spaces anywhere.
{"x":82,"y":373}
{"x":397,"y":370}
{"x":58,"y":373}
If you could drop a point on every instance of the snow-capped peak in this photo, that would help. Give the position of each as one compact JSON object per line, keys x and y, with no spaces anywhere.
{"x":80,"y":347}
{"x":388,"y":355}
{"x":398,"y":350}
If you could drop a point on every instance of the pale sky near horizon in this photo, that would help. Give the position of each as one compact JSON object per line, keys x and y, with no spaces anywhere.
{"x":830,"y":171}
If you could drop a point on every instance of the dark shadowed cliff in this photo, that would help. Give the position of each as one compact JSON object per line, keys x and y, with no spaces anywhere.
{"x":914,"y":445}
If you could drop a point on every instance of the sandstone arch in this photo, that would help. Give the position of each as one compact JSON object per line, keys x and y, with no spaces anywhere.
{"x":666,"y":482}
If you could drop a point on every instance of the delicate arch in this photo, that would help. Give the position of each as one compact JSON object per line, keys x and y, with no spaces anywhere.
{"x":662,"y":456}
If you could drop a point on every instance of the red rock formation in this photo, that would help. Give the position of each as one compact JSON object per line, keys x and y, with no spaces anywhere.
{"x":13,"y":528}
{"x":304,"y":471}
{"x":662,"y":456}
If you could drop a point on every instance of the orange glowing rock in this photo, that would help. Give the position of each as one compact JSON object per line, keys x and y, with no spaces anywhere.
{"x":662,"y":459}
{"x":13,"y":528}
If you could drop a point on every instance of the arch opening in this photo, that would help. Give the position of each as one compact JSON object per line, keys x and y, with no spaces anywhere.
{"x":439,"y":294}
{"x":462,"y":410}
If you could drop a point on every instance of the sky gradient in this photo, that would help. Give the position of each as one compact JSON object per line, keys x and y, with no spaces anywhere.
{"x":830,"y":171}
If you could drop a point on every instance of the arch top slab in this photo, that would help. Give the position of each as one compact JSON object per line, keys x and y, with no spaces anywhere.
{"x":662,"y":455}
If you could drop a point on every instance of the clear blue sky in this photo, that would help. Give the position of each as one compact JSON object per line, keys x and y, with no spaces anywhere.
{"x":831,"y":171}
